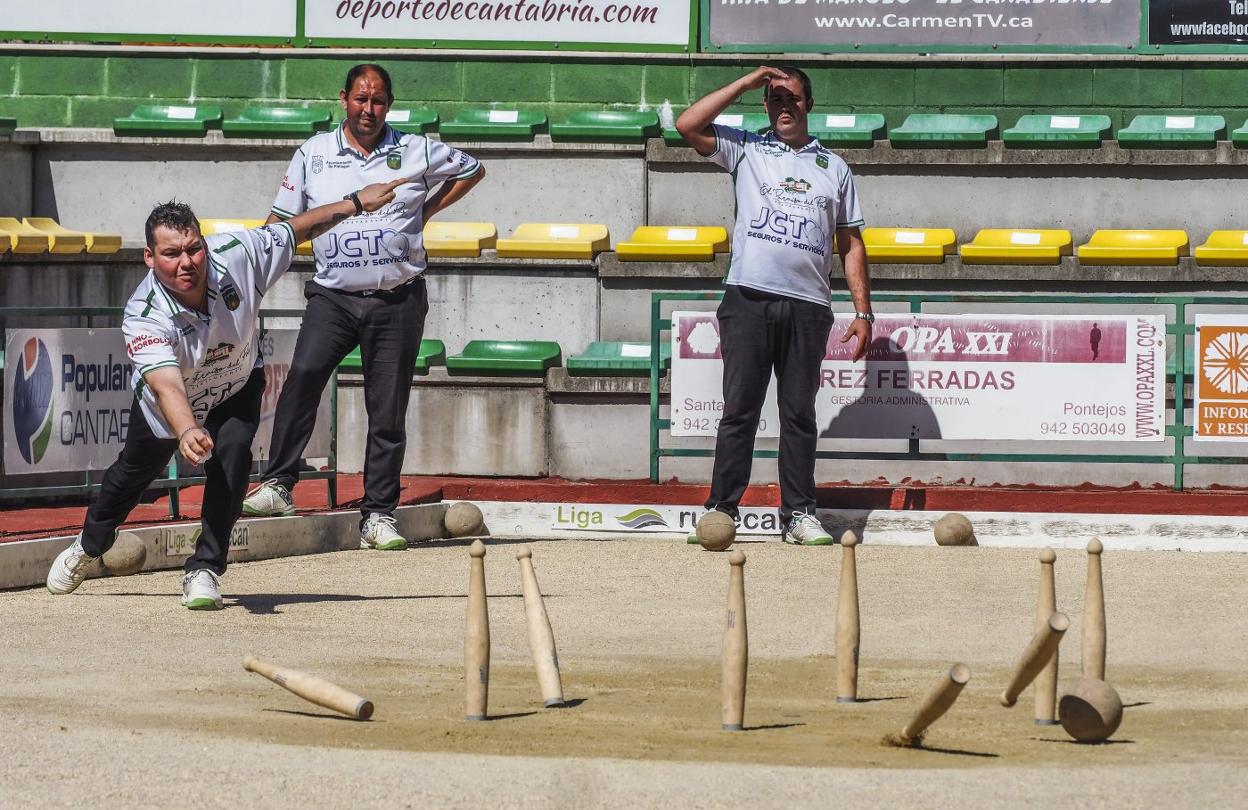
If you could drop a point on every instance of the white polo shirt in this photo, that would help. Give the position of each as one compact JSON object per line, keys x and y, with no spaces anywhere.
{"x":789,"y":205}
{"x":215,"y":350}
{"x":384,"y":249}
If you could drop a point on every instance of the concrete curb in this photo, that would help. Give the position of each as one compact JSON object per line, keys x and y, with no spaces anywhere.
{"x":25,"y":563}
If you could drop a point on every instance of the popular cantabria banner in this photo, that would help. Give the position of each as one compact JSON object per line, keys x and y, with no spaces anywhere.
{"x":961,"y":377}
{"x":67,"y":398}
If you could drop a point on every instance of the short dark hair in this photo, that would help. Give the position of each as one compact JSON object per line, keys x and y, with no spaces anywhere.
{"x":368,"y":67}
{"x":800,"y":75}
{"x":174,"y":215}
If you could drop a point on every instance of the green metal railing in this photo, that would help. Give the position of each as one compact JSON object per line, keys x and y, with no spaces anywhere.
{"x":1179,"y":328}
{"x":172,"y":480}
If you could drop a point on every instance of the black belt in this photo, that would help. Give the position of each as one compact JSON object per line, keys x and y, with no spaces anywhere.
{"x":367,"y":293}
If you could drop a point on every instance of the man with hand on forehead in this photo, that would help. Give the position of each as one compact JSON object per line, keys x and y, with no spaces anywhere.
{"x":369,"y":290}
{"x":190,"y":330}
{"x":795,"y":208}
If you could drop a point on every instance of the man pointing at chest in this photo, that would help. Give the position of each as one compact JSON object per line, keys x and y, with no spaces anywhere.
{"x":795,"y":207}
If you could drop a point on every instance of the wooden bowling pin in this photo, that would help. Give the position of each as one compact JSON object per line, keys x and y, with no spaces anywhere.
{"x":736,"y":648}
{"x":936,"y":703}
{"x":848,"y":628}
{"x":1041,"y":648}
{"x":1094,"y":616}
{"x":477,"y":638}
{"x":1046,"y":606}
{"x":541,"y":636}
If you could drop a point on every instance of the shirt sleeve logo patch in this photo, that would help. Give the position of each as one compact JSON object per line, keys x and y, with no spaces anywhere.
{"x":394,"y":160}
{"x":230,"y":296}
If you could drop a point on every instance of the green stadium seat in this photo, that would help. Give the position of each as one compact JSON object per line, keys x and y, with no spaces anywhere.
{"x":847,"y":130}
{"x":513,"y":125}
{"x":606,"y":126}
{"x":163,"y":120}
{"x":7,"y":125}
{"x":751,"y":122}
{"x":1239,"y":137}
{"x":277,"y":122}
{"x":431,"y":353}
{"x":1057,"y":132}
{"x":940,"y":131}
{"x":607,"y":358}
{"x":416,"y":120}
{"x":1172,"y":132}
{"x":505,"y":358}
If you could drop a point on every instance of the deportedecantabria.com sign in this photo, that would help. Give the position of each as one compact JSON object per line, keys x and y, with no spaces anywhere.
{"x":841,"y":24}
{"x":963,"y":377}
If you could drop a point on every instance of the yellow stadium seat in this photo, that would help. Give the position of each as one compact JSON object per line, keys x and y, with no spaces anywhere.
{"x":657,"y":243}
{"x":533,"y":240}
{"x":459,"y":239}
{"x":921,"y":245}
{"x":19,"y":237}
{"x":1017,"y":246}
{"x":1134,"y":247}
{"x":216,"y":225}
{"x":1225,"y":249}
{"x":60,"y":240}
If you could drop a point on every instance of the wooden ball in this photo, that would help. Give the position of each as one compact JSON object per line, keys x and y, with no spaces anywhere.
{"x":954,"y":529}
{"x":1091,"y":711}
{"x":716,"y":531}
{"x":127,"y":555}
{"x":463,"y":519}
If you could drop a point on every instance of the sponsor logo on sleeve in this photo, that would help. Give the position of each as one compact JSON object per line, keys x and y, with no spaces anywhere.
{"x":140,"y":342}
{"x":286,"y":184}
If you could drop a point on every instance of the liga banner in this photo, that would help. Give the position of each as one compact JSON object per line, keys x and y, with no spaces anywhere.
{"x":848,"y":23}
{"x":67,"y":398}
{"x":1220,"y":409}
{"x":616,"y":517}
{"x":962,"y":377}
{"x":636,"y":22}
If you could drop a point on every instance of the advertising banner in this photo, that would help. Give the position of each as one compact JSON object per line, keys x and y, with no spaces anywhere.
{"x":840,"y":24}
{"x":965,"y":377}
{"x":633,"y":22}
{"x":618,"y":517}
{"x":67,"y":398}
{"x":247,"y":19}
{"x":1197,"y":22}
{"x":1221,"y":378}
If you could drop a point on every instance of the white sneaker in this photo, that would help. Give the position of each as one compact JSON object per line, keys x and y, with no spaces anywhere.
{"x":201,"y":590}
{"x":270,"y":499}
{"x":70,"y":568}
{"x":379,"y":533}
{"x":806,"y":530}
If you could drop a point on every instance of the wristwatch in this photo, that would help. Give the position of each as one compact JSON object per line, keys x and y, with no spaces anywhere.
{"x":865,"y":316}
{"x":355,"y":198}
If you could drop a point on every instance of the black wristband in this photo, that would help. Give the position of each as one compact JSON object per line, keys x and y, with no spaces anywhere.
{"x":355,"y":198}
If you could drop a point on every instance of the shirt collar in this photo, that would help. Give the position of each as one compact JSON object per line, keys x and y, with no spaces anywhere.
{"x":389,"y":140}
{"x":771,"y":135}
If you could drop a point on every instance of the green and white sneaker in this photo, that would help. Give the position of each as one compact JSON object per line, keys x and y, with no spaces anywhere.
{"x":379,"y":532}
{"x":270,"y":499}
{"x":69,"y":568}
{"x":201,"y":590}
{"x":806,"y":530}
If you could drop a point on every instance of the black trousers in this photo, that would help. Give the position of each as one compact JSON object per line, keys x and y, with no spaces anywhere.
{"x":761,"y":332}
{"x":232,"y":425}
{"x":387,"y":326}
